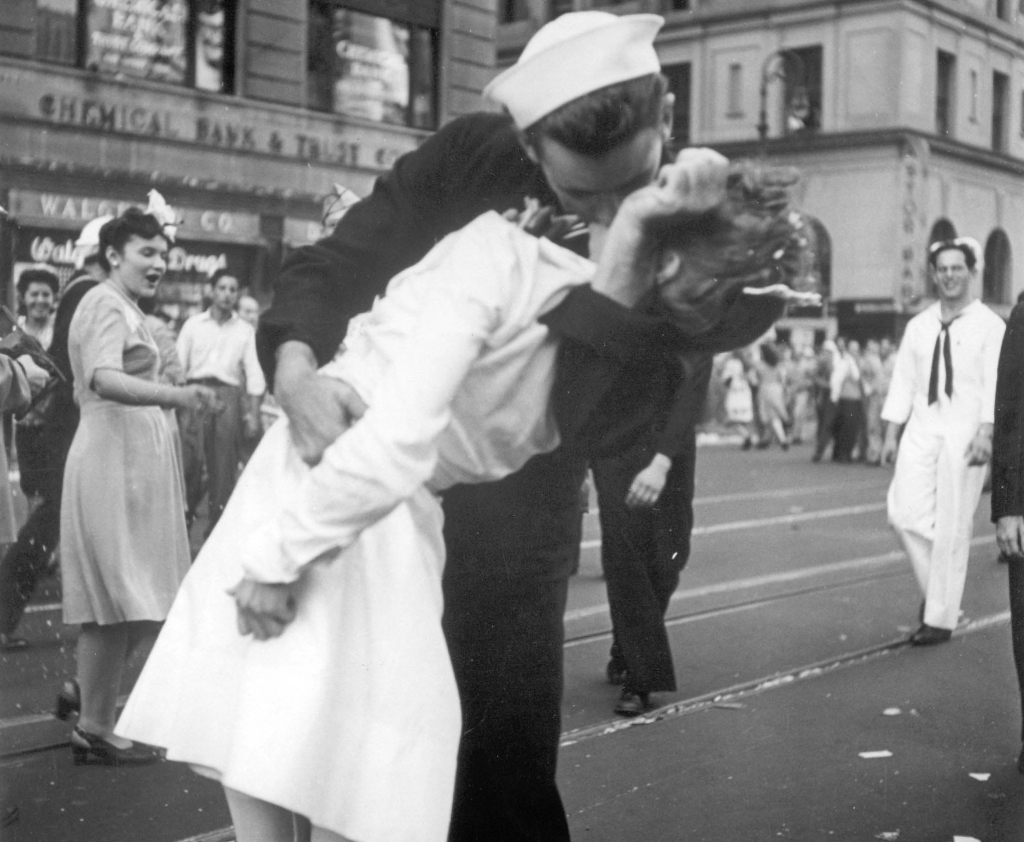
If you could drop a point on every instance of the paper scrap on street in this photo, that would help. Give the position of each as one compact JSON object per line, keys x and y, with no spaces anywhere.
{"x":730,"y":705}
{"x":980,"y":776}
{"x":891,"y":712}
{"x":965,"y":839}
{"x":873,"y":755}
{"x":888,"y":835}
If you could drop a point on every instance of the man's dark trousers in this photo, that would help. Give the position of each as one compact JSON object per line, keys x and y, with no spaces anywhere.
{"x":1016,"y":566}
{"x":510,"y":547}
{"x":214,"y":439}
{"x":643,"y":551}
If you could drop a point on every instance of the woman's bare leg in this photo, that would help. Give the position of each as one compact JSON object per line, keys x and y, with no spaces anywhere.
{"x":260,"y":821}
{"x":100,"y":657}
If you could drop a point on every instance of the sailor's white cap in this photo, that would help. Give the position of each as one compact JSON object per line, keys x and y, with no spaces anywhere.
{"x":88,"y":242}
{"x":574,"y":55}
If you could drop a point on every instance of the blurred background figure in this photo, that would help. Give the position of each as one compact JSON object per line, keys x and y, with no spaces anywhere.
{"x":847,"y":397}
{"x":771,"y":397}
{"x":801,"y":396}
{"x":824,"y":405}
{"x":217,"y":349}
{"x":336,"y":205}
{"x":29,"y":558}
{"x":739,"y":400}
{"x":37,"y":287}
{"x":124,"y":547}
{"x":871,"y":377}
{"x":249,"y":309}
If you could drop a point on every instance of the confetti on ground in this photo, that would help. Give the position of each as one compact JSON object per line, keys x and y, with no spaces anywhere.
{"x":891,"y":712}
{"x":872,"y":755}
{"x":730,"y":705}
{"x":965,"y":839}
{"x":888,"y":835}
{"x":980,"y":776}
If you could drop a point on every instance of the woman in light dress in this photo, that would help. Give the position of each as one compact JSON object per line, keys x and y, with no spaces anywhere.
{"x":739,"y":400}
{"x":124,"y":550}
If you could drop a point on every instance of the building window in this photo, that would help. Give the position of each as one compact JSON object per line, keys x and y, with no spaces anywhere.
{"x":1002,"y":9}
{"x":1022,"y":114}
{"x":57,"y":31}
{"x":974,"y":96}
{"x":735,"y":105}
{"x":1000,"y":109}
{"x":374,"y":67}
{"x":679,"y":84}
{"x":560,"y":7}
{"x":684,"y":5}
{"x":180,"y":42}
{"x":995,"y":279}
{"x":514,"y":10}
{"x":803,"y":90}
{"x":945,"y":87}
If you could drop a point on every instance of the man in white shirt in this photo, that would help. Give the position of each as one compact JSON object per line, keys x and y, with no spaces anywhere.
{"x":943,"y":391}
{"x":218,"y":349}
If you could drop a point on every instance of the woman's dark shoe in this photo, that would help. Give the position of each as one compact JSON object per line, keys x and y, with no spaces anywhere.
{"x":633,"y":703}
{"x":930,"y":635}
{"x":69,"y":700}
{"x":89,"y":748}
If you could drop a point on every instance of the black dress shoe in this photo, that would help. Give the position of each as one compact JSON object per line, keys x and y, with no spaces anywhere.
{"x":633,"y":703}
{"x":69,"y":700}
{"x":10,"y":642}
{"x":1020,"y":761}
{"x":930,"y":635}
{"x":91,"y":748}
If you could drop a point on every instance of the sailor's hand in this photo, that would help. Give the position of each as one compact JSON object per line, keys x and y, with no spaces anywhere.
{"x":319,"y":409}
{"x":37,"y":375}
{"x":694,"y":183}
{"x":264,"y":610}
{"x":979,"y":451}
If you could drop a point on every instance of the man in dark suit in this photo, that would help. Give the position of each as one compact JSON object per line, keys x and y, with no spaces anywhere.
{"x":1008,"y":482}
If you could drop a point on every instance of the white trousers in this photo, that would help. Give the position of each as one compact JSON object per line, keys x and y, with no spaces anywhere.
{"x":932,"y":500}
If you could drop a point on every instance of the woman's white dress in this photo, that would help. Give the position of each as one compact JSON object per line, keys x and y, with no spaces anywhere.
{"x":351,"y":717}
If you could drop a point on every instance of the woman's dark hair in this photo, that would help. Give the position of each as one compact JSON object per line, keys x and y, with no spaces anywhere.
{"x":935,"y":249}
{"x":606,"y":118}
{"x":38,"y":275}
{"x":770,"y":354}
{"x":132,"y":223}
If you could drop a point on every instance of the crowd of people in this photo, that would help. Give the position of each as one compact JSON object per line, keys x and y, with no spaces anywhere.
{"x":414,"y":517}
{"x":830,"y":396}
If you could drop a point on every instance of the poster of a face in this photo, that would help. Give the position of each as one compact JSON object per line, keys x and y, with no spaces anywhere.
{"x":210,"y":45}
{"x":141,"y":40}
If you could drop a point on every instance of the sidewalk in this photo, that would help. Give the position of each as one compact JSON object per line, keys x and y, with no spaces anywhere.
{"x":784,"y":762}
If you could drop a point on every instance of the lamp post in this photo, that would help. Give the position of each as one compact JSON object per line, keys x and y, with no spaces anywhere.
{"x":781,"y":64}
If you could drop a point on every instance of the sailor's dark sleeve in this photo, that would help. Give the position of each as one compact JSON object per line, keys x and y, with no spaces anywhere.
{"x":1008,"y":430}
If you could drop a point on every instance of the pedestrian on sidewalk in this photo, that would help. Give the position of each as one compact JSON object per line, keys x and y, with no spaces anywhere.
{"x":739,"y":399}
{"x":942,"y":396}
{"x":824,"y":406}
{"x":124,"y":549}
{"x":847,"y":398}
{"x":771,"y":397}
{"x":1008,"y":484}
{"x":217,"y":349}
{"x":29,"y":558}
{"x":645,"y":499}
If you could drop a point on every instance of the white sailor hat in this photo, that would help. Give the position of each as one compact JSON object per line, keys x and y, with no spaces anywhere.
{"x":88,"y":242}
{"x":574,"y":55}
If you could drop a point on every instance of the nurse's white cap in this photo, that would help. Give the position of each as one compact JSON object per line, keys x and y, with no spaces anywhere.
{"x":576,"y":54}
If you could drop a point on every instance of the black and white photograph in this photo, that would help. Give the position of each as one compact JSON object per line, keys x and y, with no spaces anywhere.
{"x":511,"y":420}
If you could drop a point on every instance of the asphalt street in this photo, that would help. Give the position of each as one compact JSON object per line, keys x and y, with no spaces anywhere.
{"x":788,"y":631}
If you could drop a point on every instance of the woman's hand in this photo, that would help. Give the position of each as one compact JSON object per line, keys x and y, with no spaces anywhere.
{"x":198,"y":398}
{"x":264,"y":611}
{"x":37,"y":375}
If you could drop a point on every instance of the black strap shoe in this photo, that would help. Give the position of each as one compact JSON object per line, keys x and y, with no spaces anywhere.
{"x":633,"y":703}
{"x":930,"y":635}
{"x":91,"y":748}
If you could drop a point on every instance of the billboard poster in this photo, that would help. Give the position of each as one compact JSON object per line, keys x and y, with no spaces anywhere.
{"x":143,"y":39}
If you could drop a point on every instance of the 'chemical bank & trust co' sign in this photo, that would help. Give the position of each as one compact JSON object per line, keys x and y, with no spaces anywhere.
{"x":239,"y":129}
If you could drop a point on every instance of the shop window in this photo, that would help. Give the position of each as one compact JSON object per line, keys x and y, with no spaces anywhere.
{"x":1000,"y":109}
{"x":803,"y":90}
{"x":679,"y":84}
{"x":945,"y":86}
{"x":366,"y":65}
{"x":735,"y":98}
{"x":1003,"y":9}
{"x":995,"y":278}
{"x":514,"y":10}
{"x":180,"y":42}
{"x":974,"y":96}
{"x":819,"y":257}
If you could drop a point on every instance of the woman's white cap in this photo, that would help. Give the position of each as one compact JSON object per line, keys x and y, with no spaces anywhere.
{"x":573,"y":55}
